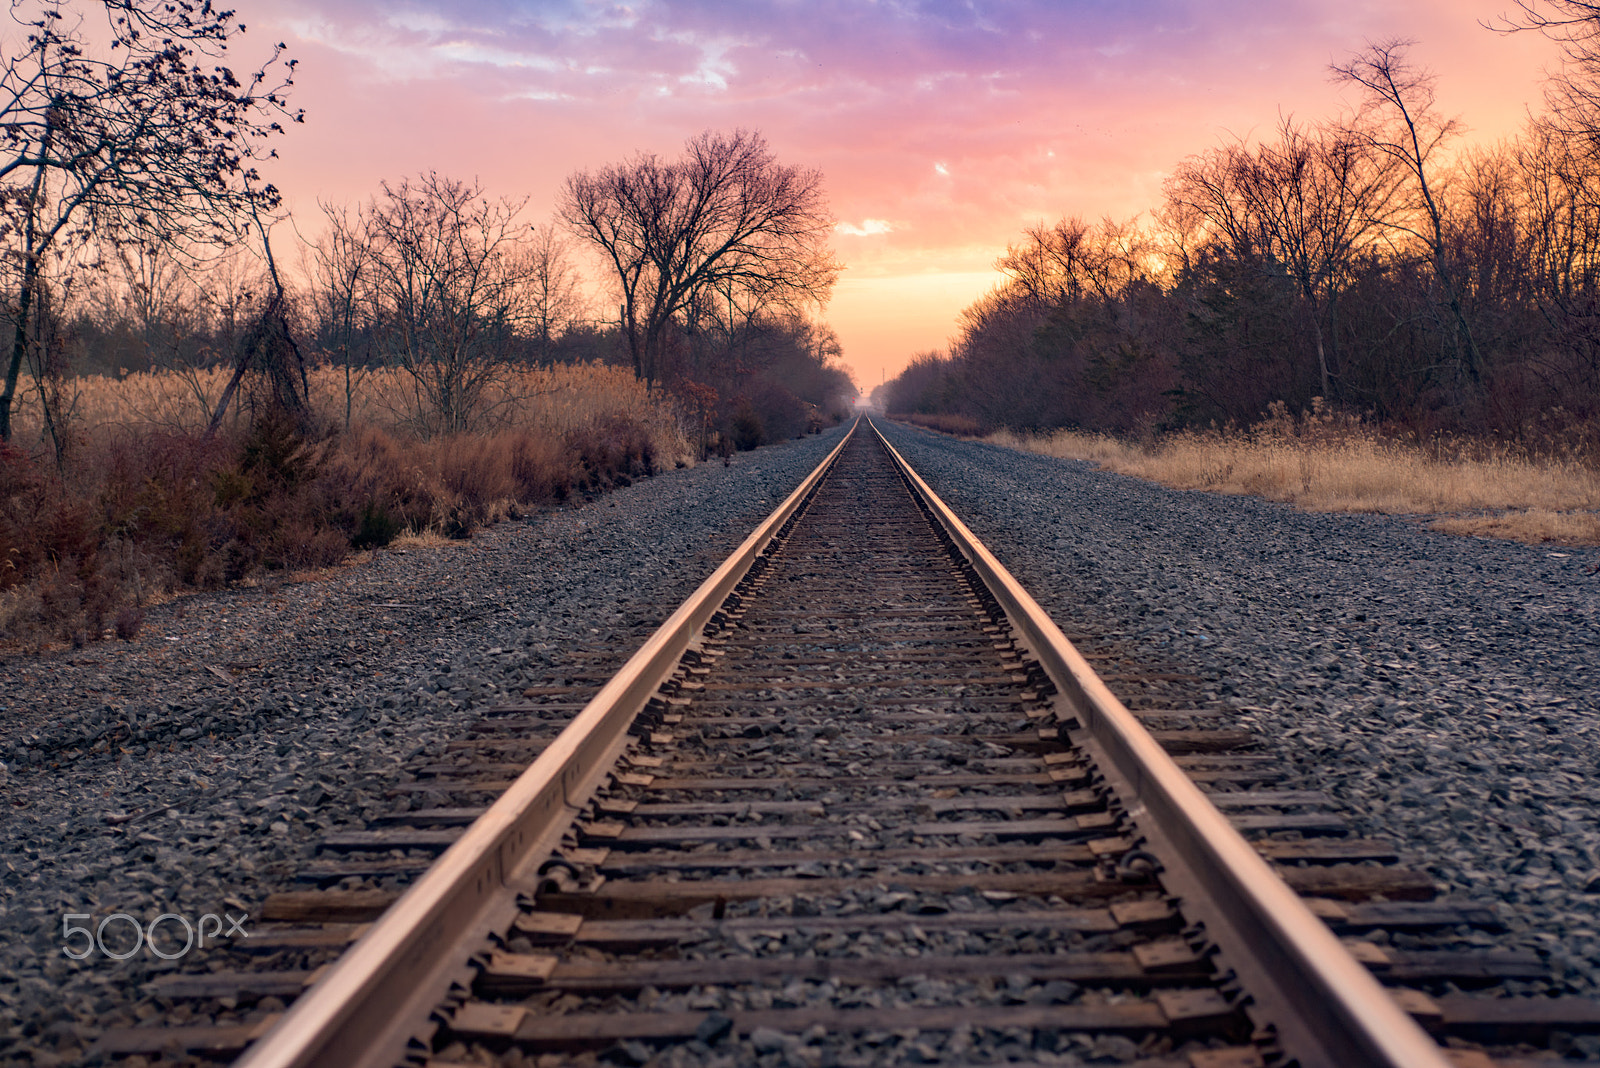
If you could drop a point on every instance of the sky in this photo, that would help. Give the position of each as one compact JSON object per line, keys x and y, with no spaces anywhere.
{"x":942,"y":127}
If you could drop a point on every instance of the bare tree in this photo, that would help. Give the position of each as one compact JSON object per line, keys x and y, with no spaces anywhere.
{"x":1399,"y":121}
{"x":269,"y":347}
{"x":1559,"y":162}
{"x":449,"y":278}
{"x":1303,"y":204}
{"x":1319,"y":195}
{"x":554,"y":293}
{"x":727,"y":218}
{"x":153,"y":305}
{"x":53,"y":383}
{"x":1073,"y":259}
{"x":1561,"y":204}
{"x":1207,"y":204}
{"x":168,"y":309}
{"x":1559,"y":226}
{"x":133,"y":131}
{"x":1573,"y":94}
{"x":341,"y":280}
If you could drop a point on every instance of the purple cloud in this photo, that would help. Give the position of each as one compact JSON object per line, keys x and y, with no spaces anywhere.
{"x":942,"y":126}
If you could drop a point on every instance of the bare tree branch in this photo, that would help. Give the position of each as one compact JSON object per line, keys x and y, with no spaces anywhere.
{"x":1401,"y":122}
{"x":1303,"y":204}
{"x":147,"y":139}
{"x":449,"y":281}
{"x":726,"y":218}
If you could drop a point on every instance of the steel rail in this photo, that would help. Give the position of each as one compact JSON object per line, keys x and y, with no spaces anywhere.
{"x":1328,"y":1009}
{"x":367,"y":1007}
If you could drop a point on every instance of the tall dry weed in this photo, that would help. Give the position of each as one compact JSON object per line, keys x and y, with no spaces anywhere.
{"x":558,"y":401}
{"x":1325,"y":461}
{"x":958,"y":425}
{"x":150,"y":505}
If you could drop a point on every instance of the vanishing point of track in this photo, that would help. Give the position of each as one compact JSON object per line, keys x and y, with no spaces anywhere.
{"x":858,"y":790}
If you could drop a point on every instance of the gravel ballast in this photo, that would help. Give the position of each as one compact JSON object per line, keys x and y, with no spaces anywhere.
{"x":191,"y":770}
{"x":1443,"y":689}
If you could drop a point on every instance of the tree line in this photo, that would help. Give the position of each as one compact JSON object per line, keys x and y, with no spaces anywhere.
{"x":136,"y":233}
{"x":1367,"y":262}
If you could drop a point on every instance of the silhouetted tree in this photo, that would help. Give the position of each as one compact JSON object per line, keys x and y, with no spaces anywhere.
{"x":1302,"y":205}
{"x":449,"y":280}
{"x":270,"y":347}
{"x":554,"y":300}
{"x":341,"y":292}
{"x":1573,"y":93}
{"x":727,"y":219}
{"x":1401,"y":122}
{"x":132,"y":131}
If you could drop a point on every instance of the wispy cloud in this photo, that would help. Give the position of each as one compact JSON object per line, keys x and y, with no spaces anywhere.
{"x":866,"y":228}
{"x":960,"y":120}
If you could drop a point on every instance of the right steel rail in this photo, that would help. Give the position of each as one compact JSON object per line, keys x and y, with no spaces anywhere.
{"x":1328,"y":1009}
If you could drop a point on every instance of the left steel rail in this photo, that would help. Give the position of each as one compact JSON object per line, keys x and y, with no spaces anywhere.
{"x":375,"y":1000}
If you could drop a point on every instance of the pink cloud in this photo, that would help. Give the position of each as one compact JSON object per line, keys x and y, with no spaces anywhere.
{"x":957,"y":122}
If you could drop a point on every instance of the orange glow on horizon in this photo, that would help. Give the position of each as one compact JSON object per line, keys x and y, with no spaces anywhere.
{"x":942,"y":128}
{"x":891,"y":314}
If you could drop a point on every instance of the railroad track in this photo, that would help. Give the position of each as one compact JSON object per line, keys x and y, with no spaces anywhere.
{"x":859,"y":802}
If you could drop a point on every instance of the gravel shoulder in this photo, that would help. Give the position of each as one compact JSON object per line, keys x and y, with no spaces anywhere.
{"x":1444,"y":689}
{"x":190,"y":770}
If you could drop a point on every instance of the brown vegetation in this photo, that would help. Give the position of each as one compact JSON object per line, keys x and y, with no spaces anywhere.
{"x":1534,"y":526}
{"x":119,"y":134}
{"x":446,"y":380}
{"x":554,"y":400}
{"x":151,"y":506}
{"x":1321,"y":462}
{"x":1350,"y":260}
{"x":178,"y":413}
{"x":1432,"y":314}
{"x":962,"y":426}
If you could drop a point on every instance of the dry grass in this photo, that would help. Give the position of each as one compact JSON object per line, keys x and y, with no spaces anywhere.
{"x":425,"y":539}
{"x":960,"y":426}
{"x":1536,"y":526}
{"x":145,"y":505}
{"x":554,"y":401}
{"x":1522,"y":499}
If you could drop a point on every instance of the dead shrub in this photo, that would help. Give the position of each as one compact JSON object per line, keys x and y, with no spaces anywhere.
{"x":748,"y":431}
{"x":376,"y":528}
{"x":162,"y":492}
{"x":372,"y":468}
{"x":612,"y":452}
{"x":960,"y":426}
{"x":153,"y":506}
{"x":540,"y":466}
{"x":129,"y":621}
{"x":478,"y":482}
{"x":782,"y":414}
{"x":1324,"y":461}
{"x":49,"y":547}
{"x":41,"y":526}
